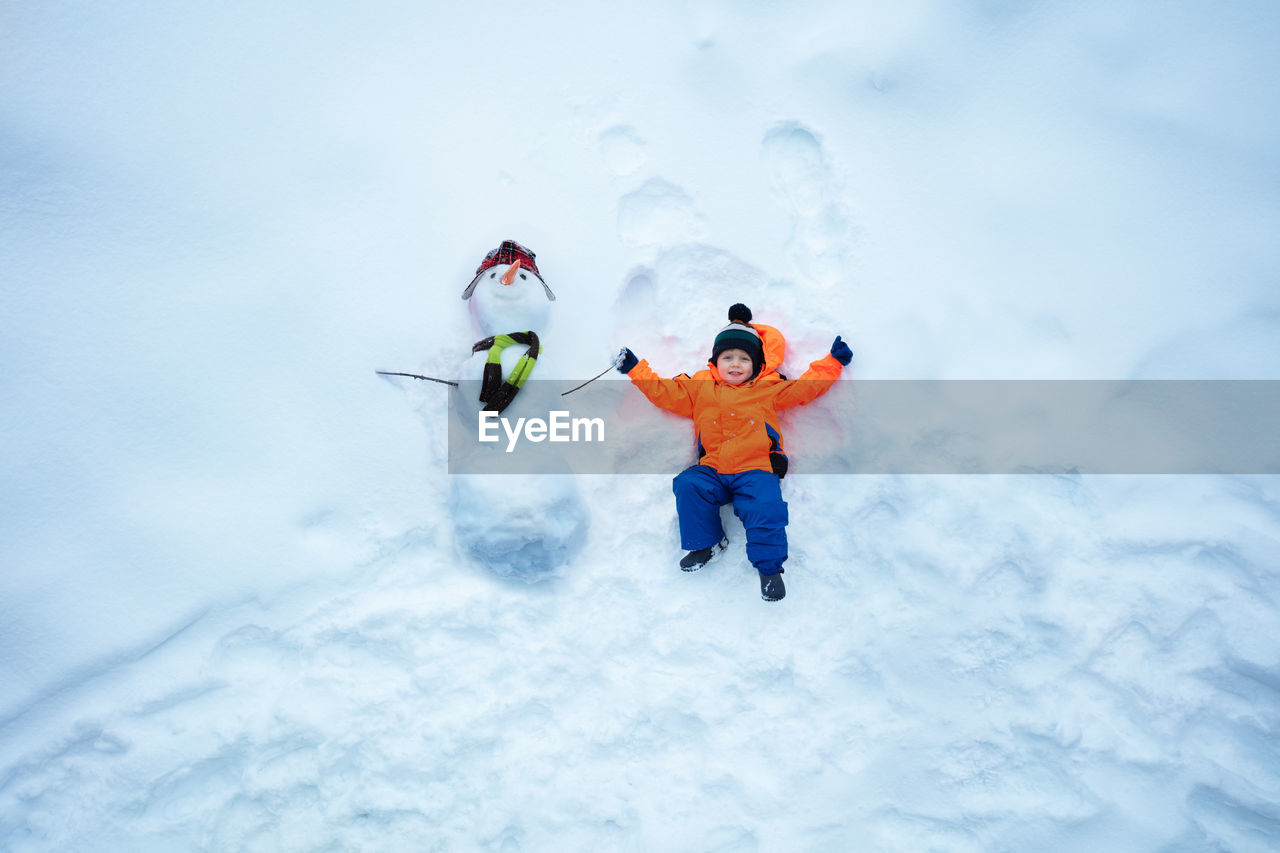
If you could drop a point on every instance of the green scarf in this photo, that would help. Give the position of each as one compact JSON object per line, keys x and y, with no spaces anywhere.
{"x":495,"y":392}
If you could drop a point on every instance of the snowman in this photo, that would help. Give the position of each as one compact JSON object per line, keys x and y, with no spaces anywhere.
{"x":517,"y":525}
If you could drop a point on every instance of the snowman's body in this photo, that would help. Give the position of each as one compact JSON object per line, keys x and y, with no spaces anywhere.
{"x":517,"y":525}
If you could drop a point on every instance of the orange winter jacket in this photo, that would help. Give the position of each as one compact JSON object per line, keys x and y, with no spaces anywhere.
{"x":737,"y":426}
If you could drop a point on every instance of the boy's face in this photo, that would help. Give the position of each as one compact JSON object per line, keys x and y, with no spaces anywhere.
{"x":734,"y":365}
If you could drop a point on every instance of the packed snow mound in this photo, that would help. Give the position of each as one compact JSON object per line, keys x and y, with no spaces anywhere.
{"x":517,"y":525}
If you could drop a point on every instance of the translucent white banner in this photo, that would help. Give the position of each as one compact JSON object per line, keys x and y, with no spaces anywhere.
{"x":895,"y":427}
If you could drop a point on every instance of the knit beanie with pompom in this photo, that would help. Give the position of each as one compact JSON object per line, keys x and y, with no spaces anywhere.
{"x":739,"y":335}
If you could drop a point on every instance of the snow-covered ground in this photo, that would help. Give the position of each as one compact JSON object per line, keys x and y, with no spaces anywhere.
{"x":233,"y":614}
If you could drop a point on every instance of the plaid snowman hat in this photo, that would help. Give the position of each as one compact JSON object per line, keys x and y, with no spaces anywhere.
{"x":508,"y":253}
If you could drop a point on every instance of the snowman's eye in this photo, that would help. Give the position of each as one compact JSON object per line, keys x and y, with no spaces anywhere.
{"x":492,"y":274}
{"x":522,"y":275}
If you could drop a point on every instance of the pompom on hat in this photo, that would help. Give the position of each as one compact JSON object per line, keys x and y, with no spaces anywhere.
{"x":510,"y":252}
{"x":739,"y":335}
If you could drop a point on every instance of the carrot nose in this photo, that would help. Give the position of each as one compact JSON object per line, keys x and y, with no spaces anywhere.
{"x":510,"y":275}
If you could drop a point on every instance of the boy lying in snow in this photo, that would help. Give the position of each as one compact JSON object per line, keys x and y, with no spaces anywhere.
{"x":734,"y":405}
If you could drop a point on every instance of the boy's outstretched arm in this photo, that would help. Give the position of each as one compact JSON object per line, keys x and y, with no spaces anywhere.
{"x":670,"y":394}
{"x":815,"y":381}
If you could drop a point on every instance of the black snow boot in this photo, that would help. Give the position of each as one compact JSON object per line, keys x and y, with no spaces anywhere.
{"x":771,"y":587}
{"x":695,"y":560}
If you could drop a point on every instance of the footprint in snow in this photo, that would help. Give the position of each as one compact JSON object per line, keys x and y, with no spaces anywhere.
{"x":623,"y":150}
{"x":659,"y":213}
{"x":803,"y":181}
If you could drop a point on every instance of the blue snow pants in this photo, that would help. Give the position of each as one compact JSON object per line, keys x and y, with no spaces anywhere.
{"x":757,"y":501}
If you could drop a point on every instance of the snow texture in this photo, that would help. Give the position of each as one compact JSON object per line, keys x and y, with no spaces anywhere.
{"x":237,"y":612}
